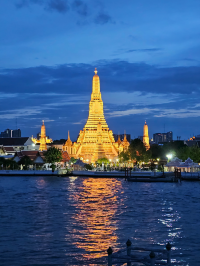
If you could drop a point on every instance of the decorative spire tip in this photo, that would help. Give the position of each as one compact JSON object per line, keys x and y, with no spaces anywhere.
{"x":95,"y":71}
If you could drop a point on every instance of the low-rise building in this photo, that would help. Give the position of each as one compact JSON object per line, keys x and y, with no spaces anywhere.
{"x":79,"y":165}
{"x":12,"y":145}
{"x":36,"y":157}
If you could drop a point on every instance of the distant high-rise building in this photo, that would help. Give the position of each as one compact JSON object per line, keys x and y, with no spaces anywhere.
{"x":9,"y":133}
{"x":38,"y":135}
{"x":157,"y":137}
{"x":16,"y":133}
{"x":163,"y":137}
{"x":128,"y":137}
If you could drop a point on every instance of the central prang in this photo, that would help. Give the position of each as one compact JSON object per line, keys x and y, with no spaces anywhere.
{"x":95,"y":141}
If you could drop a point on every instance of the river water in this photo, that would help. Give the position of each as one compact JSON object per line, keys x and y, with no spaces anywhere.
{"x":72,"y":221}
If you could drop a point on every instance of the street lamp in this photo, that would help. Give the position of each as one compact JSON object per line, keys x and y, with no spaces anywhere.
{"x":169,"y":156}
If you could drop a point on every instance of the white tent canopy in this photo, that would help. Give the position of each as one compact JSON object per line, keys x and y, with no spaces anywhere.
{"x":177,"y":163}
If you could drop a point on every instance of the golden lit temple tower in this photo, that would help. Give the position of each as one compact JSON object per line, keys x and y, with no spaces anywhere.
{"x":43,"y":139}
{"x":68,"y":144}
{"x":146,"y":136}
{"x":43,"y":145}
{"x":95,"y":141}
{"x":125,"y":143}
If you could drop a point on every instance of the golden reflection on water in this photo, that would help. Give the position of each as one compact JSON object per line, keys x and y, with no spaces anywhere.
{"x":97,"y":204}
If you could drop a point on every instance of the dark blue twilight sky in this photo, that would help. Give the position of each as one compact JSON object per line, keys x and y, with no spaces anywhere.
{"x":147,"y":53}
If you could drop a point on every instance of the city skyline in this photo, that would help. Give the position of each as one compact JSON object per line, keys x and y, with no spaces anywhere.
{"x":148,"y":70}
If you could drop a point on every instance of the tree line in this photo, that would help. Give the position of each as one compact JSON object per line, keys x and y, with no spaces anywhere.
{"x":138,"y":153}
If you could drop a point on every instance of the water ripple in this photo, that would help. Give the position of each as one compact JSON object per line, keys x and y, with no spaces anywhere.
{"x":72,"y":221}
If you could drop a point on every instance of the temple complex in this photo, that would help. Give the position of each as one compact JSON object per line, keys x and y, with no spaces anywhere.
{"x":43,"y":139}
{"x":96,"y":140}
{"x":146,"y":136}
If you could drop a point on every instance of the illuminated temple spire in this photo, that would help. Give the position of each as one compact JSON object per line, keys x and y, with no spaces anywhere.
{"x":68,"y":142}
{"x":96,"y":113}
{"x":43,"y":145}
{"x":125,"y":142}
{"x":119,"y":140}
{"x":96,"y":140}
{"x":146,"y":136}
{"x":125,"y":139}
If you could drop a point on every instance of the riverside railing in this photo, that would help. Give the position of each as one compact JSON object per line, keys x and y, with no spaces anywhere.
{"x":155,"y":257}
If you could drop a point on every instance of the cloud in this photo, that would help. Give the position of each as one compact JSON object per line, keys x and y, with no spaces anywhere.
{"x":22,"y":3}
{"x":157,"y":112}
{"x":116,"y":76}
{"x":138,"y":98}
{"x":26,"y":3}
{"x":130,"y":92}
{"x":130,"y":112}
{"x":58,"y":103}
{"x":23,"y":112}
{"x":93,"y":13}
{"x":102,"y":19}
{"x":144,"y":50}
{"x":178,"y":113}
{"x":60,"y":6}
{"x":80,"y":7}
{"x":7,"y":95}
{"x":82,"y":121}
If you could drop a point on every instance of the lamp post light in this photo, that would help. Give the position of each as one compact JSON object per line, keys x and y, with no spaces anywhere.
{"x":117,"y":160}
{"x":110,"y":163}
{"x":169,"y":156}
